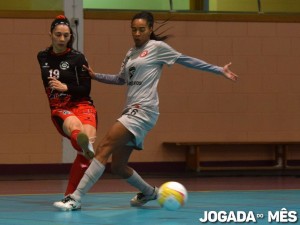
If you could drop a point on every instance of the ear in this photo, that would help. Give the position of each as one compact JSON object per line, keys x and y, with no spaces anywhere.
{"x":50,"y":34}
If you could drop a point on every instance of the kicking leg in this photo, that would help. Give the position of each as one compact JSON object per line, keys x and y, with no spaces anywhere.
{"x":116,"y":138}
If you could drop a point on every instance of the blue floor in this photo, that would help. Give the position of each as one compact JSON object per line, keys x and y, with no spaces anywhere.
{"x":114,"y":209}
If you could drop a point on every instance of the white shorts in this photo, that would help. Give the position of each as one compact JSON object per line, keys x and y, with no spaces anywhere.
{"x":139,"y":122}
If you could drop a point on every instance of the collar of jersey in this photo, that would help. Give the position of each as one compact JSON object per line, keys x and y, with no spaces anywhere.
{"x":61,"y":53}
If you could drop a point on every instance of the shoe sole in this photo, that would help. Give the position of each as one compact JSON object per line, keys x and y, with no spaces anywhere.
{"x":139,"y":204}
{"x":83,"y":142}
{"x":66,"y":209}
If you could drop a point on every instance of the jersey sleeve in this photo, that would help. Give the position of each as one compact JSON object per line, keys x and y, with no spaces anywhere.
{"x":123,"y":65}
{"x":166,"y":54}
{"x":109,"y":79}
{"x":82,"y":86}
{"x":41,"y":57}
{"x":198,"y":64}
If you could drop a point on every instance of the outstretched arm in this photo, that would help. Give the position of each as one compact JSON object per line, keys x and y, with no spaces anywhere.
{"x":198,"y":64}
{"x":105,"y":78}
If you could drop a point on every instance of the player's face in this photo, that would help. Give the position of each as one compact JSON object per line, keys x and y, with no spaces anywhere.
{"x":140,"y":32}
{"x":60,"y":37}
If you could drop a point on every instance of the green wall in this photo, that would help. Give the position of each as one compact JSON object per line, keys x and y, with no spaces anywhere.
{"x":98,"y":4}
{"x":137,"y":4}
{"x":233,"y":5}
{"x":252,"y":5}
{"x":31,"y":4}
{"x":214,"y":5}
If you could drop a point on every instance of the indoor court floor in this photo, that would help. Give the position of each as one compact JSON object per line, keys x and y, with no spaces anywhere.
{"x":225,"y":199}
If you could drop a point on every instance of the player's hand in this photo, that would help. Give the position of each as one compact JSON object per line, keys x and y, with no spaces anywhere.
{"x":228,"y":73}
{"x":55,"y":84}
{"x":90,"y":70}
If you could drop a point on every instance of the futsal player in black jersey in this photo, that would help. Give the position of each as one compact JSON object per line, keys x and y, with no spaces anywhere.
{"x":67,"y":85}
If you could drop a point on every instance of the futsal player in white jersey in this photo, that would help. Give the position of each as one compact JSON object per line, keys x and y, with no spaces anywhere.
{"x":140,"y":71}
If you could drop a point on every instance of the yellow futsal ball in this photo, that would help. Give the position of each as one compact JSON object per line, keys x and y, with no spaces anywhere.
{"x":172,"y":195}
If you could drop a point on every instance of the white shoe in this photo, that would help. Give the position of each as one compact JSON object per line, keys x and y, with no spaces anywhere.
{"x":141,"y":199}
{"x":67,"y":204}
{"x":87,"y":148}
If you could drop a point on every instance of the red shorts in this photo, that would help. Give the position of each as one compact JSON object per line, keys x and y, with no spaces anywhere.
{"x":85,"y":112}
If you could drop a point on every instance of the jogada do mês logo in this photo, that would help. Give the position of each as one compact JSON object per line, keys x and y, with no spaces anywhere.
{"x":281,"y":216}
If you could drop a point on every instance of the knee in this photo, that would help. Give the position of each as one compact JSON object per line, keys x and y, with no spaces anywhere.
{"x":104,"y":149}
{"x":103,"y":152}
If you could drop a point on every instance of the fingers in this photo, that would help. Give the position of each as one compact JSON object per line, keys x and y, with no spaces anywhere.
{"x":52,"y":78}
{"x":85,"y":67}
{"x":234,"y":78}
{"x":235,"y":75}
{"x":53,"y":82}
{"x":89,"y":69}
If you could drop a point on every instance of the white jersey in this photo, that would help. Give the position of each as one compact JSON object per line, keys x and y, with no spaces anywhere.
{"x":141,"y":70}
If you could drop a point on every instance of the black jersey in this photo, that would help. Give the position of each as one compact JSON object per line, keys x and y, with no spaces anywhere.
{"x":68,"y":69}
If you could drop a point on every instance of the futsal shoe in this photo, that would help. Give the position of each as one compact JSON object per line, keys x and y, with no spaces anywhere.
{"x":67,"y":204}
{"x":140,"y":199}
{"x":86,"y":146}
